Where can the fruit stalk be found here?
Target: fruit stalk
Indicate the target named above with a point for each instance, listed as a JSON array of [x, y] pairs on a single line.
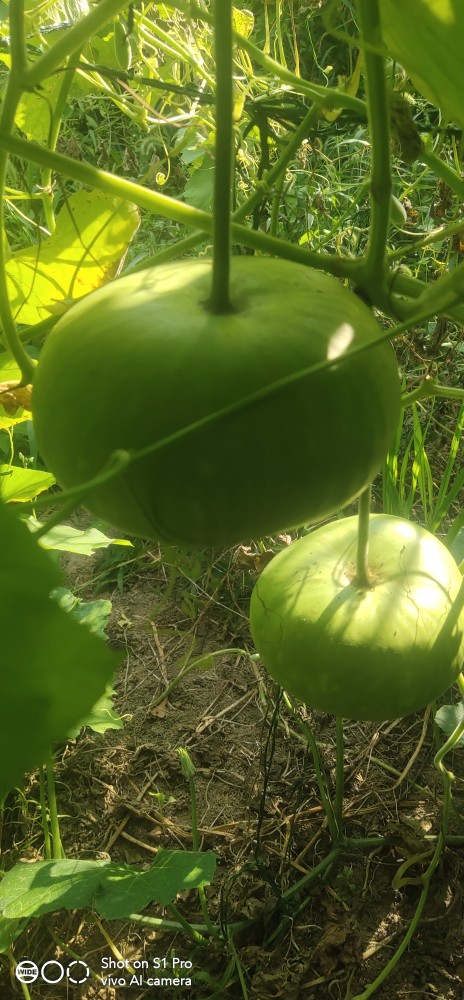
[[362, 568], [220, 301], [378, 118]]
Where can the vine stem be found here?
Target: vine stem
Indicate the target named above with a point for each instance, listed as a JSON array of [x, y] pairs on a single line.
[[43, 813], [73, 497], [339, 777], [71, 40], [362, 570], [120, 459], [388, 968], [440, 295], [263, 188], [57, 847], [220, 296], [447, 778], [170, 208], [430, 387], [321, 784], [26, 994], [378, 118], [57, 117], [160, 923], [324, 97], [188, 771], [11, 100]]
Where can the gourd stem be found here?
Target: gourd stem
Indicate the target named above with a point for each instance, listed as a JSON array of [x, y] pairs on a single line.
[[177, 211], [262, 190], [220, 300], [339, 778], [311, 876], [378, 118], [44, 813], [57, 847], [362, 574]]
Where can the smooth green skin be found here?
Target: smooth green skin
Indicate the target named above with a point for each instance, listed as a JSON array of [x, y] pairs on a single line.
[[373, 654], [143, 357]]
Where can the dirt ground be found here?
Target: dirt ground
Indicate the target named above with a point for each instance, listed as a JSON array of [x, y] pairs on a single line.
[[122, 796]]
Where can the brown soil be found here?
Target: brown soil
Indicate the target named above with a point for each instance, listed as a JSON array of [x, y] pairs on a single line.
[[259, 811]]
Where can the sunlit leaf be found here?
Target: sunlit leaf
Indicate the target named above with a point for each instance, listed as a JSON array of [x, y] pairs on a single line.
[[65, 538], [243, 21], [20, 485], [14, 403], [35, 109], [114, 890], [102, 716], [93, 231]]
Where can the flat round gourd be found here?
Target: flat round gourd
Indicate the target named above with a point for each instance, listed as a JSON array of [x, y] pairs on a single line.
[[377, 653], [143, 358]]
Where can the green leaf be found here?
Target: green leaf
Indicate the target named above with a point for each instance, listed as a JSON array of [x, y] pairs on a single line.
[[199, 189], [13, 406], [93, 614], [114, 890], [457, 547], [427, 38], [53, 670], [9, 931], [93, 231], [243, 21], [67, 539], [20, 485], [35, 109], [102, 716], [448, 717]]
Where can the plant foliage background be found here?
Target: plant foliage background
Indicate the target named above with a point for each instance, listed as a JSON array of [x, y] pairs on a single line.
[[107, 159]]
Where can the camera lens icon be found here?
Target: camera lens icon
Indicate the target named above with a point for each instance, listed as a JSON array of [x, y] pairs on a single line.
[[26, 971], [78, 972]]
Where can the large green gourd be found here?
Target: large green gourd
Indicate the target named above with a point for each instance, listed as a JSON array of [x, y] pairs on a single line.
[[144, 357]]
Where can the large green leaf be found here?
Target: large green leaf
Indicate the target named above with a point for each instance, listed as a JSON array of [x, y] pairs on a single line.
[[427, 38], [53, 670], [20, 485], [65, 538], [114, 890], [93, 231]]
